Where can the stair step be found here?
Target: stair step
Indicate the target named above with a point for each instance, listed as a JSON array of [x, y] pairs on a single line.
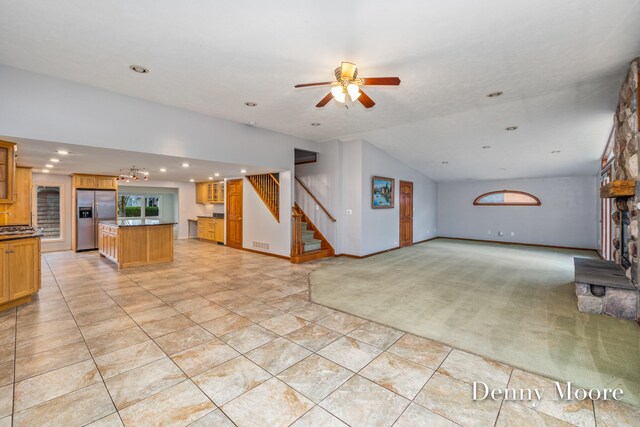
[[307, 235], [312, 245]]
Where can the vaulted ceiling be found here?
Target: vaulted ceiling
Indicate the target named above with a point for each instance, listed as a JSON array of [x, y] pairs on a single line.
[[559, 63]]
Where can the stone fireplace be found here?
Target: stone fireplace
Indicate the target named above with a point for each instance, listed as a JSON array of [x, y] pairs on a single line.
[[611, 287], [625, 189]]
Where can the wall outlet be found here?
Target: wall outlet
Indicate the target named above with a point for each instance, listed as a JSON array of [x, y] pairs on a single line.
[[395, 243], [513, 234], [489, 232], [317, 207], [349, 212]]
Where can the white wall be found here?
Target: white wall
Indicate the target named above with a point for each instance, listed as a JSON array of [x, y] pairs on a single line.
[[259, 225], [46, 108], [323, 178], [341, 180], [64, 182], [381, 227], [567, 217]]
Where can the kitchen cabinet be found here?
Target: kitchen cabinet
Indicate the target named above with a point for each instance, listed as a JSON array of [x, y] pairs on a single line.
[[19, 211], [211, 229], [7, 171], [20, 275], [209, 192], [95, 182]]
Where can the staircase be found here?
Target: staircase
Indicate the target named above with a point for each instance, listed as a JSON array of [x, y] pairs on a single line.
[[267, 186], [308, 243]]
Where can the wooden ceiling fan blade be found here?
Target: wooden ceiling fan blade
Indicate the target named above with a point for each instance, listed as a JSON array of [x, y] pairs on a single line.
[[324, 101], [365, 100], [381, 81], [313, 84]]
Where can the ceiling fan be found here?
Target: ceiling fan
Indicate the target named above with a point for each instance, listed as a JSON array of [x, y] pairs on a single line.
[[347, 86]]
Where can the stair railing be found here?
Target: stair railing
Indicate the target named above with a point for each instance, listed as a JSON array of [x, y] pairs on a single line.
[[297, 246], [315, 199], [268, 188]]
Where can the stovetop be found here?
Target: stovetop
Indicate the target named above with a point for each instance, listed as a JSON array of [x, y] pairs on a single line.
[[10, 230]]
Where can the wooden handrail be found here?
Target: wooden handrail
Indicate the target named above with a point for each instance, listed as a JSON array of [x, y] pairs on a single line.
[[268, 188], [316, 200]]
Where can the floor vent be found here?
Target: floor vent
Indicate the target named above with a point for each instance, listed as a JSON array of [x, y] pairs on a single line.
[[260, 245]]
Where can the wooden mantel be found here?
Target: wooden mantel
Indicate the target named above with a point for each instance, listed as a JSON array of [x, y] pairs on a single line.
[[618, 188]]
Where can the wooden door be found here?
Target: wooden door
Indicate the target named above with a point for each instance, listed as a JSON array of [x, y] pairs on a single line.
[[406, 213], [4, 272], [24, 274], [234, 213]]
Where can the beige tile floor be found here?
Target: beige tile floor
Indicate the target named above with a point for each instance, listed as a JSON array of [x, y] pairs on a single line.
[[223, 337]]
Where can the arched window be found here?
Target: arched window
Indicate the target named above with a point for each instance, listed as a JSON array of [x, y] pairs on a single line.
[[507, 198]]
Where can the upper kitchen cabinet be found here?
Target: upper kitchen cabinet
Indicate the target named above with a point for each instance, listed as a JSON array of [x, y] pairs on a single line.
[[95, 182], [209, 192], [7, 171], [18, 212]]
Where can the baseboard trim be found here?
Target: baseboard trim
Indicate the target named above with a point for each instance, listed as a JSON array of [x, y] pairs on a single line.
[[266, 253], [386, 250], [520, 244]]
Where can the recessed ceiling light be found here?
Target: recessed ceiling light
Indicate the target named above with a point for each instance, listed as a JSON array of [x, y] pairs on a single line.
[[48, 166], [510, 128], [210, 178], [139, 69], [163, 170], [191, 180], [55, 160], [494, 94], [251, 123], [555, 151], [185, 165], [315, 124], [45, 170], [216, 174], [250, 104], [445, 163], [62, 152], [243, 170], [484, 147], [145, 173]]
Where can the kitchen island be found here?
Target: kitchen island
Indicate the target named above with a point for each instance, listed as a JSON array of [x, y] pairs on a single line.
[[136, 242]]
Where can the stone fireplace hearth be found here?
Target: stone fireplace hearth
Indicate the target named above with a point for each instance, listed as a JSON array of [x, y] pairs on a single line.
[[603, 288]]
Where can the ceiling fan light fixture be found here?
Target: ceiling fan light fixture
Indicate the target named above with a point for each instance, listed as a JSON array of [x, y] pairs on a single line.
[[353, 90], [339, 94]]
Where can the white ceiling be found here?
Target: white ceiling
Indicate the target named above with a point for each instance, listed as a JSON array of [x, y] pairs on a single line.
[[104, 161], [559, 63]]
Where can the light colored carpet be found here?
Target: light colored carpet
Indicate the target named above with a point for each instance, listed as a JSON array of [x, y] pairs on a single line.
[[514, 304]]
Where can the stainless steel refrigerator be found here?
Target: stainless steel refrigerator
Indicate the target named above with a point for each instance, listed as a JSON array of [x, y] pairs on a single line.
[[93, 206]]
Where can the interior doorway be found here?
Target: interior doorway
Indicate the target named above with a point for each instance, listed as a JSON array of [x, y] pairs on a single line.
[[234, 213], [406, 213]]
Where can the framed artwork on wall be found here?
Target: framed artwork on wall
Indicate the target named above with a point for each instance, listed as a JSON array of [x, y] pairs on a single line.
[[382, 192]]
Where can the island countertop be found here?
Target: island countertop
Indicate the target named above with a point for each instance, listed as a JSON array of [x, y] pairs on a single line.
[[137, 222]]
